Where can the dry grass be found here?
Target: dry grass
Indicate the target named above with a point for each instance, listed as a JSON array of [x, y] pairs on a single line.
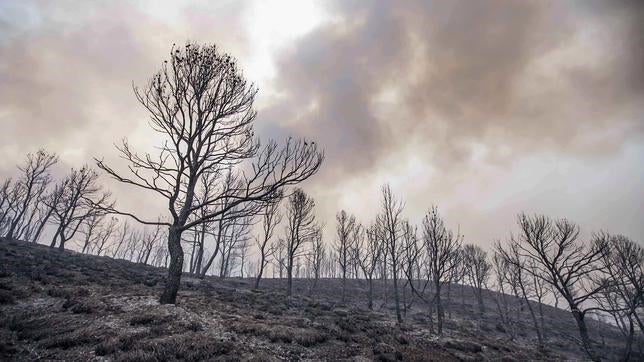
[[65, 306]]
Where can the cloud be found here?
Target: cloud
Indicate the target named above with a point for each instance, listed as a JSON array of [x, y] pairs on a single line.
[[468, 91]]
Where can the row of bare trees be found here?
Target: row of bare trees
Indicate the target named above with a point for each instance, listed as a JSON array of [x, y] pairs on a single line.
[[35, 200]]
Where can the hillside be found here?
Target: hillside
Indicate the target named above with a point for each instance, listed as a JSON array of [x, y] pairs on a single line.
[[61, 305]]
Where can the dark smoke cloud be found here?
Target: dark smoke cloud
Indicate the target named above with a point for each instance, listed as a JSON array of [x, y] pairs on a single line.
[[521, 75]]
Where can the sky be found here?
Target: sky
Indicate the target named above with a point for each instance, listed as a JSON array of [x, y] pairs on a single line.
[[483, 108]]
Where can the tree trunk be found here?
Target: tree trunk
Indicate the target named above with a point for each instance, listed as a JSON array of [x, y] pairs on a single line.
[[396, 296], [479, 295], [370, 293], [439, 309], [583, 333], [173, 280], [449, 299], [289, 283], [262, 261], [629, 340]]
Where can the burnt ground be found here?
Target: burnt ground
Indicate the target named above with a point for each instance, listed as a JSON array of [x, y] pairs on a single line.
[[61, 305]]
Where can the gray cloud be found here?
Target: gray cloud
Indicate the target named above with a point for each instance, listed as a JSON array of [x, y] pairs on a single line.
[[501, 73]]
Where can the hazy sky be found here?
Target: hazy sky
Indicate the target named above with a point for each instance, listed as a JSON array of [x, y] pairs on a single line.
[[484, 108]]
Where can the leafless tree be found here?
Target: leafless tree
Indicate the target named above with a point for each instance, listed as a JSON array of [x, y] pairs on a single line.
[[81, 197], [201, 103], [90, 227], [271, 217], [344, 243], [26, 199], [149, 239], [7, 200], [106, 230], [623, 262], [237, 233], [390, 220], [123, 234], [243, 249], [316, 257], [442, 247], [280, 256], [519, 279], [477, 271], [370, 257], [562, 260], [301, 227], [502, 270]]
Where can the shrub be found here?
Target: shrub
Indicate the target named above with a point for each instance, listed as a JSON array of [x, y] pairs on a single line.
[[6, 297], [107, 347], [149, 319]]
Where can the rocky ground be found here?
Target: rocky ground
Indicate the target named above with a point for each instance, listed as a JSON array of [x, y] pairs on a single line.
[[66, 306]]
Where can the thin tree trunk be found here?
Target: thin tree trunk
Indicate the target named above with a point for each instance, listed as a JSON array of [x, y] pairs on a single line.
[[289, 283], [396, 296], [370, 293], [583, 332], [629, 339], [439, 308]]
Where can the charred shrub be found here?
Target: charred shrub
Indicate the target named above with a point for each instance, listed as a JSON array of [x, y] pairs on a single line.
[[6, 297], [149, 319]]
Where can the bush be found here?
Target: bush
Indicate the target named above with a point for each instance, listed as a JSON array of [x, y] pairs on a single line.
[[70, 339], [149, 319], [6, 297], [107, 347], [56, 292]]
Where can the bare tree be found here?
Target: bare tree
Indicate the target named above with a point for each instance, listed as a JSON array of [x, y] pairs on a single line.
[[238, 232], [28, 194], [519, 280], [271, 217], [501, 268], [201, 103], [316, 257], [344, 243], [124, 233], [242, 252], [370, 257], [280, 255], [563, 261], [390, 221], [104, 235], [442, 247], [89, 229], [477, 271], [81, 197], [301, 227], [623, 262]]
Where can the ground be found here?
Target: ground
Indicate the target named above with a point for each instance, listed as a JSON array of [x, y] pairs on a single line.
[[61, 305]]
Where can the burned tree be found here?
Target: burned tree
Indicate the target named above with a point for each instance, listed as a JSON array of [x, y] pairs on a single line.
[[370, 257], [344, 244], [518, 277], [301, 227], [442, 247], [316, 257], [271, 217], [80, 197], [477, 271], [563, 261], [390, 221], [623, 297], [25, 200], [203, 107]]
